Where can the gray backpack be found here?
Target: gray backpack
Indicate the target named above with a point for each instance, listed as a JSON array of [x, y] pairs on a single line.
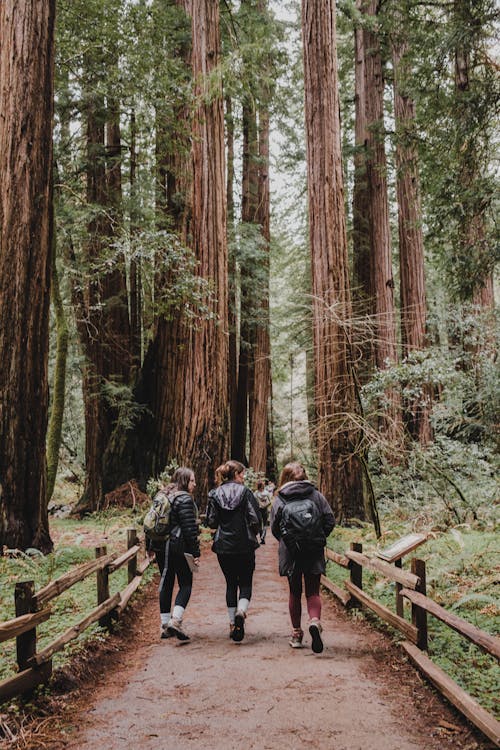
[[157, 519]]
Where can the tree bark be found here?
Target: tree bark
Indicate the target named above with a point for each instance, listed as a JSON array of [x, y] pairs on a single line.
[[260, 426], [378, 213], [26, 229], [205, 419], [339, 468], [363, 293], [411, 243]]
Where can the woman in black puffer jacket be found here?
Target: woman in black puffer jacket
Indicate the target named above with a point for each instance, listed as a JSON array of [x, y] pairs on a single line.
[[234, 513], [170, 556]]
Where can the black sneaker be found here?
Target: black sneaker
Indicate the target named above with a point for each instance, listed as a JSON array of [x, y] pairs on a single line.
[[239, 627]]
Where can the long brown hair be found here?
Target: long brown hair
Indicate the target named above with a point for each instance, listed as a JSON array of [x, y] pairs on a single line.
[[292, 472], [227, 472], [180, 480]]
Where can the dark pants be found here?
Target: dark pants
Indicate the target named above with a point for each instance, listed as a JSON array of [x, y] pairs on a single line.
[[238, 572], [177, 566], [313, 600]]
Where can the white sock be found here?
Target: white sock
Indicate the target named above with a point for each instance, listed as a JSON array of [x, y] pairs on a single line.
[[178, 612], [165, 618], [231, 612], [243, 605]]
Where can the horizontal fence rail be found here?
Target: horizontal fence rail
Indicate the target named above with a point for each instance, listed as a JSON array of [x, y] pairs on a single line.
[[35, 667], [412, 586]]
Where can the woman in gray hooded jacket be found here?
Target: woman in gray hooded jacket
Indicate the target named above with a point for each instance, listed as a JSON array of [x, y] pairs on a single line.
[[302, 520], [233, 511]]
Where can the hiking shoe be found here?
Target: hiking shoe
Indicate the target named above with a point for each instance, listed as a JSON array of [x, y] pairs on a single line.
[[315, 633], [174, 627], [239, 627], [164, 632], [231, 630], [296, 638]]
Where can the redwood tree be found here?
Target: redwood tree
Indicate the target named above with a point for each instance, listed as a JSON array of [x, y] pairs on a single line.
[[411, 243], [26, 227], [378, 214], [339, 466]]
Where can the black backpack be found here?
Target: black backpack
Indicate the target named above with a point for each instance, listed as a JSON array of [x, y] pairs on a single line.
[[301, 527]]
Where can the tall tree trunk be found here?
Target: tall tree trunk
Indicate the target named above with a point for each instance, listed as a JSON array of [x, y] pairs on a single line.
[[232, 272], [26, 227], [103, 321], [135, 263], [54, 432], [249, 211], [363, 293], [260, 424], [205, 417], [378, 212], [411, 243], [339, 470], [472, 244]]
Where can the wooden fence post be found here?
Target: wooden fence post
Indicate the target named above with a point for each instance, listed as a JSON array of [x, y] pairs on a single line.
[[132, 564], [399, 599], [418, 614], [26, 642], [103, 587], [356, 571]]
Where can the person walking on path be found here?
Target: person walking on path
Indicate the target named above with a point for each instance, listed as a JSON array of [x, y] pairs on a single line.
[[301, 520], [263, 497], [170, 554], [234, 513]]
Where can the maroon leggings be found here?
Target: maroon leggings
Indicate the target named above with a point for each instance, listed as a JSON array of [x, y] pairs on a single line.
[[311, 583]]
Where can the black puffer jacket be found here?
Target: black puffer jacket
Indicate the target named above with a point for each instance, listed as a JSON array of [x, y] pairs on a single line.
[[233, 511], [297, 491], [183, 524]]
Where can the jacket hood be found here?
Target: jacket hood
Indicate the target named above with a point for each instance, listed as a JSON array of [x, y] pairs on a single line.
[[230, 495], [292, 490]]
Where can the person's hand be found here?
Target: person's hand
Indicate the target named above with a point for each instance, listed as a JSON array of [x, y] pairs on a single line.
[[197, 561], [151, 554]]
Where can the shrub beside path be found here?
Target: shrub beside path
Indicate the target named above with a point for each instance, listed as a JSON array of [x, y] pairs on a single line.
[[212, 693]]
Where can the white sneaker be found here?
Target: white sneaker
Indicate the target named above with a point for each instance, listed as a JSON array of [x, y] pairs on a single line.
[[296, 638], [315, 630]]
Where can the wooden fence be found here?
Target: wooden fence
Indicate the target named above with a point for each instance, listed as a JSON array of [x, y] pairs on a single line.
[[35, 667], [412, 586]]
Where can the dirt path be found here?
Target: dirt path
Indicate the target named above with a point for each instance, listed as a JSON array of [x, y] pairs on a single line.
[[213, 693]]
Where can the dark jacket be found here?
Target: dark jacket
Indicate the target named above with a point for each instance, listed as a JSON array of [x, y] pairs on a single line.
[[296, 491], [234, 512], [183, 524]]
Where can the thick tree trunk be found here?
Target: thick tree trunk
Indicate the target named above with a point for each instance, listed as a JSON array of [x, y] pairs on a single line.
[[26, 227], [204, 424], [339, 470], [378, 212], [362, 291], [411, 243]]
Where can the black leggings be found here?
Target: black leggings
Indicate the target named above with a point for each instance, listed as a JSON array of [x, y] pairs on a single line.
[[177, 566], [238, 572]]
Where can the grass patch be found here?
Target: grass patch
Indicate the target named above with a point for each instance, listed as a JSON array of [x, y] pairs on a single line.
[[74, 543], [462, 566]]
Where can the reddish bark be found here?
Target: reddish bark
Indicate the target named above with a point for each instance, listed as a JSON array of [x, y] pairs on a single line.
[[339, 468], [26, 229]]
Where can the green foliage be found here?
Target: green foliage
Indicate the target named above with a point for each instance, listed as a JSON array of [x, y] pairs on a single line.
[[75, 542], [460, 565]]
